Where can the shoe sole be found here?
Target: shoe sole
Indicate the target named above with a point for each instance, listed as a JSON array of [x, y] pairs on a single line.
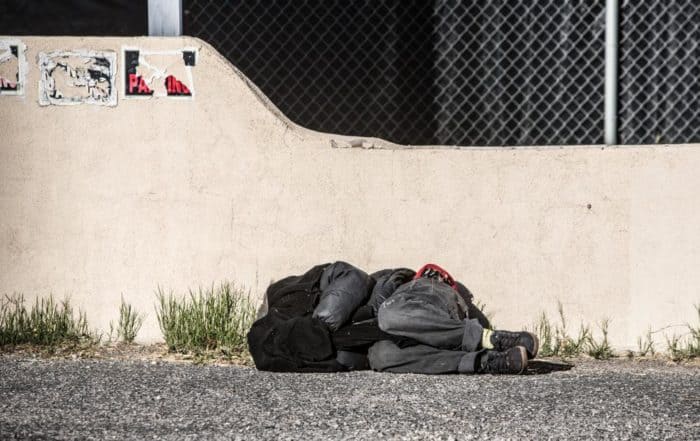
[[523, 357], [537, 346]]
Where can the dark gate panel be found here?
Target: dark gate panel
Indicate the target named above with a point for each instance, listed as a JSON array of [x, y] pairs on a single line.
[[659, 72], [445, 72], [353, 67]]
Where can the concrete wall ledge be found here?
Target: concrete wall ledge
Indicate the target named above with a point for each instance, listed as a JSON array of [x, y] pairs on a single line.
[[100, 201]]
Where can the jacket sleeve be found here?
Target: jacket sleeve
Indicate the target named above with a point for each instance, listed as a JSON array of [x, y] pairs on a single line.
[[343, 289], [387, 282]]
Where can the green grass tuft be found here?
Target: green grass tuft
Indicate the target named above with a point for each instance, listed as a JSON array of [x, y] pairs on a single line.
[[46, 323], [217, 318], [645, 346], [600, 350], [130, 322], [544, 331], [555, 339], [686, 346]]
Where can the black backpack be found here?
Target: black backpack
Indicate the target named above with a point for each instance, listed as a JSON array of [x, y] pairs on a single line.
[[288, 338]]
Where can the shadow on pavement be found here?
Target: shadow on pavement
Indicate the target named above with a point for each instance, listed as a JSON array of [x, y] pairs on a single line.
[[540, 367]]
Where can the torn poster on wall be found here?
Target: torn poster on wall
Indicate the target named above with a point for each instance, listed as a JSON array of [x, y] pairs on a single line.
[[77, 77], [158, 73], [13, 67]]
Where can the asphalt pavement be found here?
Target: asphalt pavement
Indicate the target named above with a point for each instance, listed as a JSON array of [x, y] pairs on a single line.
[[118, 399]]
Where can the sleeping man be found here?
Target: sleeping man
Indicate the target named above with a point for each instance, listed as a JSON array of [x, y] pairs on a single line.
[[336, 317]]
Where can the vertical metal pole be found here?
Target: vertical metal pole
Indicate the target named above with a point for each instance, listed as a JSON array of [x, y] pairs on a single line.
[[165, 18], [611, 69]]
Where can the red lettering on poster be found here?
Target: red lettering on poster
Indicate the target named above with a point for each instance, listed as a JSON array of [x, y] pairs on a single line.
[[137, 85], [133, 82], [7, 85], [175, 87], [143, 88]]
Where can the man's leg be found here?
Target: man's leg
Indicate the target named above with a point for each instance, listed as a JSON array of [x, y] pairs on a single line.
[[386, 356], [427, 316], [429, 312]]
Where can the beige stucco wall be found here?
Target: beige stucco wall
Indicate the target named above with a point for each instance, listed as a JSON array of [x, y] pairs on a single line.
[[97, 201]]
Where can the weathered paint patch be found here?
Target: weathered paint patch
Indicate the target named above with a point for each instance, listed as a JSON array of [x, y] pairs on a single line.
[[13, 67], [77, 77], [150, 74]]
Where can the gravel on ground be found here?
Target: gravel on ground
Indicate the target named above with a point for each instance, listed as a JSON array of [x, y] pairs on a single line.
[[141, 399]]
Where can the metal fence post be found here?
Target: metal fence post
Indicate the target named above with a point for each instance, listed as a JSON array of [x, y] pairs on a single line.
[[165, 18], [612, 23]]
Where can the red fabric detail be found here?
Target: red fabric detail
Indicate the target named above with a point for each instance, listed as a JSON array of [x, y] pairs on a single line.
[[446, 277]]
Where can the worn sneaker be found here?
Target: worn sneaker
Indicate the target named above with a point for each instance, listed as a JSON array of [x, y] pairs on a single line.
[[503, 340], [513, 361]]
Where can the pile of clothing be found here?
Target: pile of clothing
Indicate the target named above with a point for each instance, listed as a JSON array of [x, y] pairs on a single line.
[[336, 317]]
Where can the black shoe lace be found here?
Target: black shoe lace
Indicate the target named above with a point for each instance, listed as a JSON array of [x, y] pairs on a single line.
[[496, 362], [505, 340]]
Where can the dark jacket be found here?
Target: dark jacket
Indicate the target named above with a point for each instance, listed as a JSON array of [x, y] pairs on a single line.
[[287, 338], [344, 288], [308, 322]]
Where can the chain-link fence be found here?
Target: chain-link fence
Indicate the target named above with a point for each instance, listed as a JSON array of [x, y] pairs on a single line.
[[659, 71], [481, 72], [519, 72]]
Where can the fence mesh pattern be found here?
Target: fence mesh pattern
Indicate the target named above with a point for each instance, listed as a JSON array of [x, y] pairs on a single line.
[[659, 72], [480, 72], [519, 73], [344, 66]]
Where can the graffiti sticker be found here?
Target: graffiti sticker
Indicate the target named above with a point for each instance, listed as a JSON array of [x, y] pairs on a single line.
[[150, 74], [77, 77], [13, 67]]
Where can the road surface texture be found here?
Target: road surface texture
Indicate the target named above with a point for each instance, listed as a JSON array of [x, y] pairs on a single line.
[[127, 399]]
